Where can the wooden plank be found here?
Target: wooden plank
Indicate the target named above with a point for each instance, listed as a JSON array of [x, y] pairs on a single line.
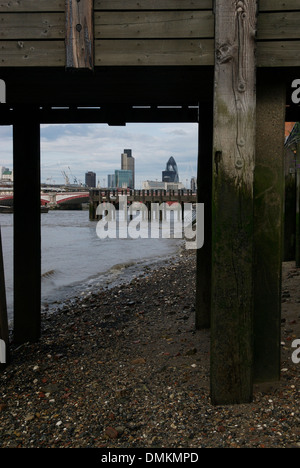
[[232, 227], [279, 5], [273, 26], [12, 6], [79, 35], [268, 222], [152, 52], [278, 54], [128, 25], [28, 26], [59, 5], [4, 332], [102, 5], [167, 52], [163, 24], [153, 5], [32, 54], [27, 226]]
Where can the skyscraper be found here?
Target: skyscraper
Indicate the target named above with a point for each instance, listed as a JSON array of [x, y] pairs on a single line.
[[90, 179], [194, 184], [171, 172], [123, 179], [128, 164], [111, 181]]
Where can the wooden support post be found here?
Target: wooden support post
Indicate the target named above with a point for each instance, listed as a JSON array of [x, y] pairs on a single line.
[[268, 228], [80, 34], [204, 192], [298, 206], [27, 226], [234, 159], [290, 210], [4, 335]]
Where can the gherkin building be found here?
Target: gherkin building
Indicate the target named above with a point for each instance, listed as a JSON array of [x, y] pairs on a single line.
[[171, 172]]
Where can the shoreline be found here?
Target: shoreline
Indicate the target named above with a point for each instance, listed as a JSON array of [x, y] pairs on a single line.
[[118, 275], [126, 368]]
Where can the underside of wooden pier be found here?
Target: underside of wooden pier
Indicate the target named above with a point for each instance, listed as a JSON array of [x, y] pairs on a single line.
[[227, 66]]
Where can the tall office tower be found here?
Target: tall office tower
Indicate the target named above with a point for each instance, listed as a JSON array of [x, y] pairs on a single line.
[[171, 172], [90, 179], [111, 181], [128, 164], [194, 184], [123, 179]]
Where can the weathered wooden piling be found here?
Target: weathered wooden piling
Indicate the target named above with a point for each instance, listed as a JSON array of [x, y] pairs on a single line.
[[233, 177], [79, 34], [204, 191], [290, 212], [298, 206], [268, 226], [27, 226], [4, 332]]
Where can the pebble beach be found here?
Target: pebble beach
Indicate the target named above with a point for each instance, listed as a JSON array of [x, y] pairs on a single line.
[[126, 368]]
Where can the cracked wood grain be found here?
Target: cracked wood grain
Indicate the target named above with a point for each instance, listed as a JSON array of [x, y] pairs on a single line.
[[235, 87], [234, 162], [79, 34]]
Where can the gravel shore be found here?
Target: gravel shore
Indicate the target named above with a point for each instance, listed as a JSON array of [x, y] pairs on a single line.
[[125, 368]]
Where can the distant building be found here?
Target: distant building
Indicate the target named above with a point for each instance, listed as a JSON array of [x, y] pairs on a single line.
[[171, 172], [128, 164], [123, 179], [155, 185], [111, 182], [90, 179], [7, 175], [2, 170], [194, 184]]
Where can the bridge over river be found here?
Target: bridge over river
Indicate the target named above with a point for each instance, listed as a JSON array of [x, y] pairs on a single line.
[[74, 199], [51, 199]]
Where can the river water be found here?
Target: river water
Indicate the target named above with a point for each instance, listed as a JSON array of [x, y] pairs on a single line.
[[75, 260]]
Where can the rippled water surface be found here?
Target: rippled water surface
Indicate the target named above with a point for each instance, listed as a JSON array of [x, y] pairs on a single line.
[[74, 259]]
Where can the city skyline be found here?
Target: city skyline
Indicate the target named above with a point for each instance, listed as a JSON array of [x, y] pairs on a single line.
[[97, 148]]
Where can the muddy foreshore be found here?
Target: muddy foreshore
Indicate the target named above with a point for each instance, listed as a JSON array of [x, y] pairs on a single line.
[[125, 368]]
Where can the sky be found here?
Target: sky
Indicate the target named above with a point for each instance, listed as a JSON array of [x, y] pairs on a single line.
[[77, 149]]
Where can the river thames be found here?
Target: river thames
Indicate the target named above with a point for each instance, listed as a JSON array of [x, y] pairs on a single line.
[[75, 260]]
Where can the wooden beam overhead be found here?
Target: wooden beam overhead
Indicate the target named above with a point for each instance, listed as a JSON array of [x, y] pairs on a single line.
[[112, 115], [80, 34]]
